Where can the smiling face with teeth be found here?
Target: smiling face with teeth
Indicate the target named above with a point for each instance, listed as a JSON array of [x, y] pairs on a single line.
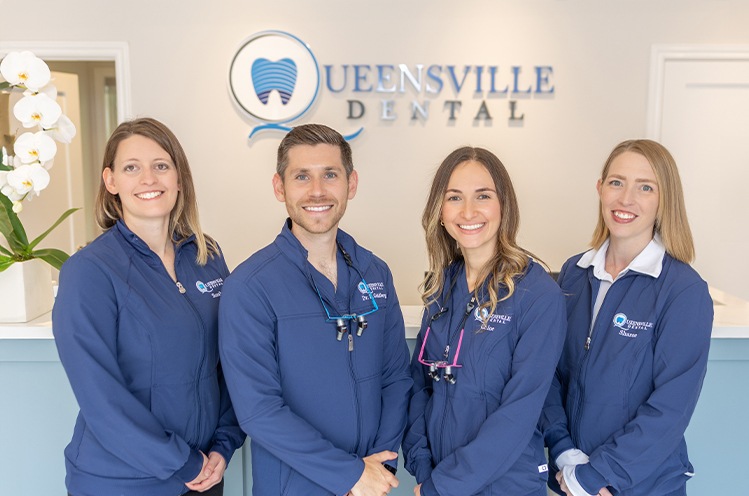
[[471, 211], [146, 180], [315, 189], [629, 200]]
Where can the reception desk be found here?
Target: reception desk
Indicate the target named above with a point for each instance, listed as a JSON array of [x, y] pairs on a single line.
[[37, 410]]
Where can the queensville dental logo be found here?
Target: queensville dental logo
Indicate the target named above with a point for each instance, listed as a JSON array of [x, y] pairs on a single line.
[[630, 328], [482, 315], [210, 287], [275, 78]]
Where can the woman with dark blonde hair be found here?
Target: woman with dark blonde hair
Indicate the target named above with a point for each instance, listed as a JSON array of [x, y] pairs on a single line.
[[491, 335], [135, 323], [639, 324]]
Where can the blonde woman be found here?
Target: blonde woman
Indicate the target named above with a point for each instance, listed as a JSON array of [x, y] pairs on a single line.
[[639, 320]]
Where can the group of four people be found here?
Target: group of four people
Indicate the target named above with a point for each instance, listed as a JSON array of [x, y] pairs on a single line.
[[605, 371]]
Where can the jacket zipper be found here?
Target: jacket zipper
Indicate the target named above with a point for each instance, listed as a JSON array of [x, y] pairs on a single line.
[[199, 373], [582, 371], [451, 337], [357, 405]]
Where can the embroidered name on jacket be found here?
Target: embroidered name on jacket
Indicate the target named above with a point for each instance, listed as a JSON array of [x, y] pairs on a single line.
[[210, 286], [629, 328], [482, 315], [377, 289]]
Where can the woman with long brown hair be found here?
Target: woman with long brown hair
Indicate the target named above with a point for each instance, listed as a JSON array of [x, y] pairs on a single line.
[[492, 332]]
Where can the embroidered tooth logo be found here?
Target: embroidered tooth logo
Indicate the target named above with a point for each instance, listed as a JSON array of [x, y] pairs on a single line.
[[268, 76], [619, 320], [481, 314]]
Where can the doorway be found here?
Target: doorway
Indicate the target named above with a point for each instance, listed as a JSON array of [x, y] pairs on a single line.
[[93, 89]]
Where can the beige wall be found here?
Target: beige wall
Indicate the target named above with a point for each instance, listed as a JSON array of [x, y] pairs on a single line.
[[180, 53]]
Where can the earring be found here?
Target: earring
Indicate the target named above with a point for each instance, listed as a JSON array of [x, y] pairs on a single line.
[[442, 224]]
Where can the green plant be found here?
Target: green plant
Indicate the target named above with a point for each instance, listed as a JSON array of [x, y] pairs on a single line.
[[24, 171]]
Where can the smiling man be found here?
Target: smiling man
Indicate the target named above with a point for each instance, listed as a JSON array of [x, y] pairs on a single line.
[[312, 338]]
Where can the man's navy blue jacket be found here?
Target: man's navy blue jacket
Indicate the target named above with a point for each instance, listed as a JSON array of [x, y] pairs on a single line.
[[312, 405]]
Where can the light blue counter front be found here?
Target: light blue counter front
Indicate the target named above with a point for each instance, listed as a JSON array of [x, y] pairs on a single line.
[[37, 413]]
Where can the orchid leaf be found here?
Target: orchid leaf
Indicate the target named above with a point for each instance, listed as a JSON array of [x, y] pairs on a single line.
[[11, 227], [4, 85], [5, 251], [5, 262], [52, 256], [39, 238]]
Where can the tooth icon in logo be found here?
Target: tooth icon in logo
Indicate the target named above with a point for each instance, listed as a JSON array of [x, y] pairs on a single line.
[[268, 76]]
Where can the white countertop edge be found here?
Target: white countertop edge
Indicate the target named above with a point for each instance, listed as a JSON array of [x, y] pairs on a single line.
[[731, 321]]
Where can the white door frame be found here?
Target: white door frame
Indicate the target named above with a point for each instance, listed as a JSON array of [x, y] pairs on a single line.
[[116, 51], [661, 54]]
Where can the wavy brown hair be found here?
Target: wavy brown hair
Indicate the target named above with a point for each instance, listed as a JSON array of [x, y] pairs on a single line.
[[184, 220], [671, 219], [509, 260]]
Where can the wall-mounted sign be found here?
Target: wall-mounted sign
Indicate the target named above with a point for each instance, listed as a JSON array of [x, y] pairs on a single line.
[[275, 78]]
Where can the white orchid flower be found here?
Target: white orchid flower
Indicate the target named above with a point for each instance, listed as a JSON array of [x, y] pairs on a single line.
[[12, 161], [63, 130], [35, 147], [25, 69], [7, 189], [17, 207], [50, 90], [37, 110], [28, 178]]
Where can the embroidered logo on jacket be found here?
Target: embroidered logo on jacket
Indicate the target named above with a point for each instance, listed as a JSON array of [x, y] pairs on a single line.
[[210, 286], [629, 328], [482, 315], [376, 288]]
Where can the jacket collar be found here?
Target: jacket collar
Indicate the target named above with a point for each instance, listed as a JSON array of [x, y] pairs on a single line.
[[141, 247], [292, 248], [648, 262]]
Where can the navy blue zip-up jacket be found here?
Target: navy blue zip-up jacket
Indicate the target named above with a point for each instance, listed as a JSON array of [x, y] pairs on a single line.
[[479, 436], [312, 405], [142, 360], [627, 401]]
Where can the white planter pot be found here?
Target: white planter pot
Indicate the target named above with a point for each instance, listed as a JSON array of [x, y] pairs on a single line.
[[25, 291]]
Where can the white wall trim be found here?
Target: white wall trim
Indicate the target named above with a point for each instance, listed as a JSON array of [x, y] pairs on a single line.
[[116, 51], [661, 54]]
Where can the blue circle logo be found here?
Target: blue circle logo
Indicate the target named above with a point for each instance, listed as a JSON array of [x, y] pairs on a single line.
[[481, 314], [620, 319], [274, 77]]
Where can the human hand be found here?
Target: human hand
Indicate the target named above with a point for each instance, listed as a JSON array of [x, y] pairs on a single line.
[[563, 485], [213, 469], [417, 490], [376, 480], [202, 474]]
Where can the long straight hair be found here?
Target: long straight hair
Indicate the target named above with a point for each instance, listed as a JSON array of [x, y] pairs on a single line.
[[509, 260], [183, 220]]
